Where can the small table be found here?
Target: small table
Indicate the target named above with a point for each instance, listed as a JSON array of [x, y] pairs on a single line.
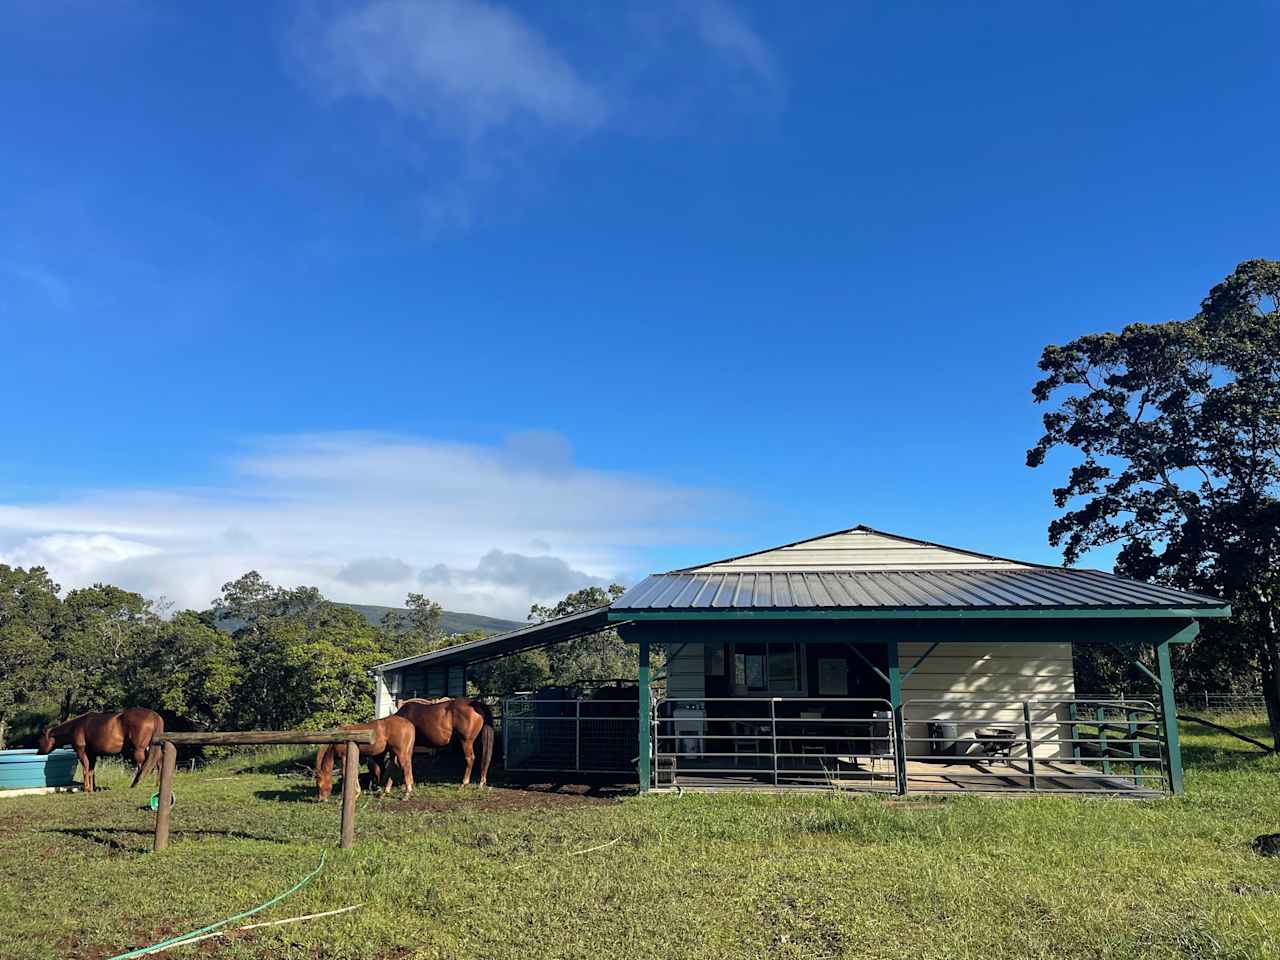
[[995, 741]]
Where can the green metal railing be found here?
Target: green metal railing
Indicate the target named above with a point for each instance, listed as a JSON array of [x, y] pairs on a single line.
[[774, 742], [1035, 744]]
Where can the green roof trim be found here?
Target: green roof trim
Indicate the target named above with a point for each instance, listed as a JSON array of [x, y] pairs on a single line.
[[958, 613]]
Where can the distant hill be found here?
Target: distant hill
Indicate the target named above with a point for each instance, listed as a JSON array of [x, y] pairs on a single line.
[[451, 622]]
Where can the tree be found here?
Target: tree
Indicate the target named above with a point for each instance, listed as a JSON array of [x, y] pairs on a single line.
[[525, 670], [29, 614], [417, 629], [1178, 427], [189, 668], [101, 632], [301, 660], [599, 656]]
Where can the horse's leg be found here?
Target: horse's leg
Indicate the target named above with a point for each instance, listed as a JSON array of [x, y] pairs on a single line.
[[404, 757], [469, 754], [388, 771], [374, 763], [87, 766], [486, 753], [139, 763], [93, 773]]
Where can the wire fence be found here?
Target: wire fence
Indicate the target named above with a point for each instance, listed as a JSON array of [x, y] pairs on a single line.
[[1223, 702]]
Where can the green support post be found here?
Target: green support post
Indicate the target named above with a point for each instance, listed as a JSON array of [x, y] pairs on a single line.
[[642, 765], [895, 702], [1104, 748], [1169, 716]]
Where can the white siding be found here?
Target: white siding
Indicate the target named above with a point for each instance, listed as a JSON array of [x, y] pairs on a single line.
[[383, 704], [860, 550], [1040, 673], [686, 678], [686, 669]]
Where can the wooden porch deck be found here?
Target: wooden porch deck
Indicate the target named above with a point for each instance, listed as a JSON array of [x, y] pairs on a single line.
[[930, 778]]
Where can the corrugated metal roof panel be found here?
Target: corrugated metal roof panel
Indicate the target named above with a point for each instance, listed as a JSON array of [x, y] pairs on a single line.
[[1030, 587]]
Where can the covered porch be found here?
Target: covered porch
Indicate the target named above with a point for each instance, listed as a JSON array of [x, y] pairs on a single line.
[[905, 706]]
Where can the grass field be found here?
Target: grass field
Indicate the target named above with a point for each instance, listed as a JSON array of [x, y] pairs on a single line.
[[499, 874]]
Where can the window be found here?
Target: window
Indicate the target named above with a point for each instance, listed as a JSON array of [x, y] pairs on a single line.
[[772, 667], [833, 677], [749, 667], [783, 674]]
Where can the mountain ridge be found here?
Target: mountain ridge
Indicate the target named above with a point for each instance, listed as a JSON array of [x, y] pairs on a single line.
[[450, 621]]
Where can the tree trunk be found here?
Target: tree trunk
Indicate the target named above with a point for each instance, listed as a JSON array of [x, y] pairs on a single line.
[[4, 729], [1270, 663]]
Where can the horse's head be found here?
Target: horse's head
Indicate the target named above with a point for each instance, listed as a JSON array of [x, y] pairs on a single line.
[[45, 744], [324, 773]]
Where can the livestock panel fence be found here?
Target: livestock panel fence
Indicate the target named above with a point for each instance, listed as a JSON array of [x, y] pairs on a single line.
[[569, 735]]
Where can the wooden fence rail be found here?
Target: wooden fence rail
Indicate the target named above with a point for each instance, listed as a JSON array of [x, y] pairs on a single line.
[[252, 738]]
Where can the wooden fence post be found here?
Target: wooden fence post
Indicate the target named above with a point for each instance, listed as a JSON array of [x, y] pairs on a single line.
[[168, 763], [350, 788], [245, 738]]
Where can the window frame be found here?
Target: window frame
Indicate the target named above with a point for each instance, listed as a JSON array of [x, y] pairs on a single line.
[[765, 650]]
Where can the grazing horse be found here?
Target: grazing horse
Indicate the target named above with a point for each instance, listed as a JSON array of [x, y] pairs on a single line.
[[95, 735], [391, 735], [466, 720]]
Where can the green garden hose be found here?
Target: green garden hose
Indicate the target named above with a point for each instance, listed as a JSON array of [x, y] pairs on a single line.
[[177, 941]]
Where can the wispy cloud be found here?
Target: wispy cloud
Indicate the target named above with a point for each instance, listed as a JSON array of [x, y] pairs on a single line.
[[725, 30], [53, 287], [489, 529], [487, 81], [467, 65]]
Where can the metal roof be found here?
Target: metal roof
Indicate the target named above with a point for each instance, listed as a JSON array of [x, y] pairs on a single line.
[[513, 641], [1033, 588]]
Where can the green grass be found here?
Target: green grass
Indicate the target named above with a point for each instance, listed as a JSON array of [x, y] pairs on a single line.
[[719, 876]]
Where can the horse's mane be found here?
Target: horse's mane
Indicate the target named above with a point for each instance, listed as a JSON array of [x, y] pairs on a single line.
[[66, 725]]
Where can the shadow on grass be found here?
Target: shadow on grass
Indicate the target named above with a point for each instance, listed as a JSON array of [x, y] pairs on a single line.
[[111, 837], [1206, 749], [1219, 760], [503, 791]]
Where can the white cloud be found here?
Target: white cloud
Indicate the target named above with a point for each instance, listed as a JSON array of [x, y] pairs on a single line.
[[727, 32], [368, 571], [367, 518], [495, 97], [467, 65]]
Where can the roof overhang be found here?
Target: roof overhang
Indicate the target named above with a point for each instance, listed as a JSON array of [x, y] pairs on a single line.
[[513, 641], [956, 613]]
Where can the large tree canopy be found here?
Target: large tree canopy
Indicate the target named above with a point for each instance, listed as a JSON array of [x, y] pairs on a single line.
[[1178, 429], [262, 656]]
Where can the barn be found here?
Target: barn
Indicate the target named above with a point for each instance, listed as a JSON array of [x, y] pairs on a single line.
[[861, 660]]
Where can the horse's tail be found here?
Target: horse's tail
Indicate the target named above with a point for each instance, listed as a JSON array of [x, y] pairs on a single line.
[[154, 752], [154, 755], [486, 738]]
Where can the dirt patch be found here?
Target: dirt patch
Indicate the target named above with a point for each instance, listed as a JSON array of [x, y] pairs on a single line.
[[531, 796]]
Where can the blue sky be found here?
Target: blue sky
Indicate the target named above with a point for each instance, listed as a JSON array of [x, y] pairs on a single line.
[[490, 300]]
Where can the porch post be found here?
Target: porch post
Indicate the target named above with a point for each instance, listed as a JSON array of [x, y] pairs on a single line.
[[642, 765], [1169, 709], [895, 702]]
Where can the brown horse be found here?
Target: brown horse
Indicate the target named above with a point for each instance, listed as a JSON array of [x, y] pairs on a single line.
[[439, 724], [391, 735], [95, 735]]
